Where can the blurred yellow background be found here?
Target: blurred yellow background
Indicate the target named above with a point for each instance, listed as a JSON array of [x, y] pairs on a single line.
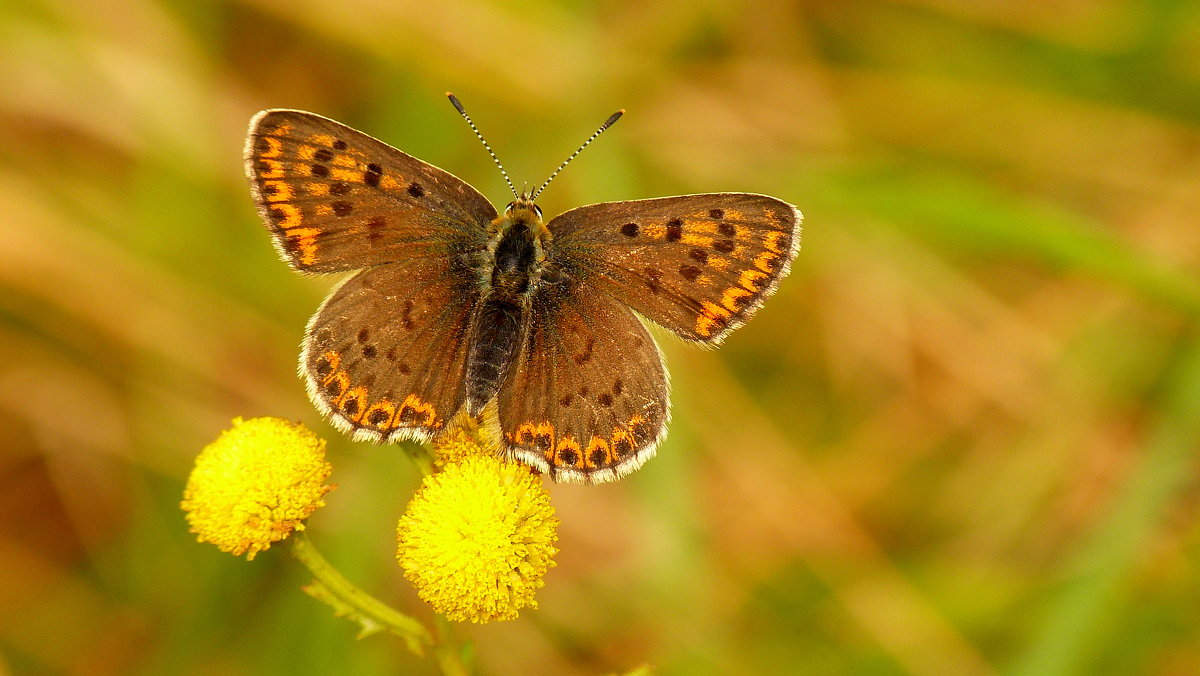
[[961, 439]]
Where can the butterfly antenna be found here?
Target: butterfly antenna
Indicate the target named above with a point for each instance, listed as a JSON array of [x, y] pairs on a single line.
[[612, 119], [463, 111]]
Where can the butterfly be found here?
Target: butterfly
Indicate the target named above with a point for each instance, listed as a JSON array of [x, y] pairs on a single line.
[[528, 327]]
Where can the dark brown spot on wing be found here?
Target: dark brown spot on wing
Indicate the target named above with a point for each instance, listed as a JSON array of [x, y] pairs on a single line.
[[674, 230], [716, 213], [372, 175], [375, 228], [323, 367], [598, 457], [699, 255], [416, 190], [585, 356], [727, 229], [724, 245], [342, 208], [653, 282], [689, 272], [406, 315], [629, 229], [319, 170]]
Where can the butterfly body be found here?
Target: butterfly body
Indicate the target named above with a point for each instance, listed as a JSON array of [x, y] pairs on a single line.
[[530, 327], [510, 277]]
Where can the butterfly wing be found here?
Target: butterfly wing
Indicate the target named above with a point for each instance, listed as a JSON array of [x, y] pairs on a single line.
[[587, 400], [699, 265], [336, 199], [385, 356]]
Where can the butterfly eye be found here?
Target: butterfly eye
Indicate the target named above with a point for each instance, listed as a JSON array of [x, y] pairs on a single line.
[[537, 210], [509, 209]]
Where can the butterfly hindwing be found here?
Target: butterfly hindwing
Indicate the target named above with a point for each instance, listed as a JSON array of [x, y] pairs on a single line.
[[587, 399], [336, 199], [699, 265], [385, 356]]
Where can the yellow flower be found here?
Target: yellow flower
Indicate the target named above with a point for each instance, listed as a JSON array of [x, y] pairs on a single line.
[[455, 447], [478, 537], [256, 484]]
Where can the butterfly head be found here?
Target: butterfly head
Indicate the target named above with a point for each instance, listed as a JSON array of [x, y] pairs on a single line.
[[523, 210]]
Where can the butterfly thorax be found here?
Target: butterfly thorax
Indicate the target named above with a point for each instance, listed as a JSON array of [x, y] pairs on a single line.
[[515, 258]]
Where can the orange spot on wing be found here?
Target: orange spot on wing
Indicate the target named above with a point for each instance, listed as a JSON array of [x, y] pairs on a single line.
[[291, 215], [718, 263], [387, 182], [317, 189], [305, 239], [347, 175], [334, 360], [274, 147], [696, 240], [281, 191], [732, 296], [281, 129], [711, 316], [306, 152], [566, 443], [772, 218], [414, 407], [594, 444], [749, 279], [771, 241], [343, 383], [766, 261], [274, 168], [345, 161], [321, 139], [372, 415], [358, 394]]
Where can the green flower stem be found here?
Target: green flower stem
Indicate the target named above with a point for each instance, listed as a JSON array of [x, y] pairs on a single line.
[[347, 600], [421, 455], [452, 658]]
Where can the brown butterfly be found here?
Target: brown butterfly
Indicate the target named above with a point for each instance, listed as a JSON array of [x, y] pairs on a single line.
[[527, 326]]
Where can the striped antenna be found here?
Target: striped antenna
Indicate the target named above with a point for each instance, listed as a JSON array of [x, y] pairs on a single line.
[[607, 123], [463, 111]]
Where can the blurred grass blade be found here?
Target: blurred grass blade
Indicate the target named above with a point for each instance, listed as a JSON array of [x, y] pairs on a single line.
[[972, 217], [1082, 618]]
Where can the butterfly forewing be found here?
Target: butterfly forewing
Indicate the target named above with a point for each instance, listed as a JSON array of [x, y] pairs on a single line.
[[699, 265], [587, 400], [337, 199], [385, 355]]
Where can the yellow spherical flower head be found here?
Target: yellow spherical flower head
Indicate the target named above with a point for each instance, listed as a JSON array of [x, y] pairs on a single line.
[[456, 446], [478, 537], [256, 484]]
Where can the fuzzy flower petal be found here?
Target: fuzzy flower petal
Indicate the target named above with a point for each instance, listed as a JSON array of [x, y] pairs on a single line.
[[256, 484], [478, 537]]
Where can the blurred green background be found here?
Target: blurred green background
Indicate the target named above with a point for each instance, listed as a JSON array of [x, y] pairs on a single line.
[[961, 439]]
